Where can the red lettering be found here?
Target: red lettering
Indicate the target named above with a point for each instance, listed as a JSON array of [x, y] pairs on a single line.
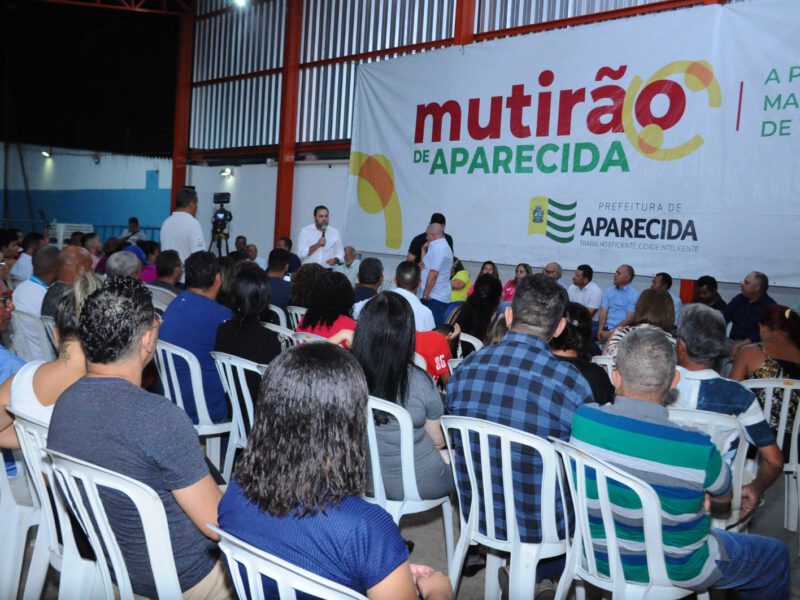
[[677, 104], [516, 102], [492, 129], [567, 100], [436, 112]]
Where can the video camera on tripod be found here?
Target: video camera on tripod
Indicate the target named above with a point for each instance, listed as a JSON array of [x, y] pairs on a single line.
[[219, 222]]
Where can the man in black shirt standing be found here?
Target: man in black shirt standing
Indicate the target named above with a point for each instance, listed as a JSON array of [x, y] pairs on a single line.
[[415, 248]]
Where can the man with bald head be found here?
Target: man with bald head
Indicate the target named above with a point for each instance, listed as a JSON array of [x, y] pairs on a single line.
[[73, 261], [618, 303], [436, 265], [553, 271], [745, 310]]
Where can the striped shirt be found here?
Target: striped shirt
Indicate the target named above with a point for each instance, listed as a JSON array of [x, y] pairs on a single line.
[[680, 464]]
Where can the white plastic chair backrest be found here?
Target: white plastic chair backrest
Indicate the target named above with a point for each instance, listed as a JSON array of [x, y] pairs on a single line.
[[469, 339], [24, 323], [723, 431], [480, 437], [288, 577], [50, 329], [410, 491], [166, 354], [784, 389], [728, 329], [279, 313], [420, 361], [232, 372], [607, 362], [295, 314], [576, 462], [454, 363], [80, 482], [161, 297], [285, 335], [304, 338]]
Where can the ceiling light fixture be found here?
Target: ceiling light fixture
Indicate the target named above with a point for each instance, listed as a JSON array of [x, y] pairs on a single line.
[[226, 172], [47, 153]]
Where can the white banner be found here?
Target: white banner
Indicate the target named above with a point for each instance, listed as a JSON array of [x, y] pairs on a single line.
[[668, 141]]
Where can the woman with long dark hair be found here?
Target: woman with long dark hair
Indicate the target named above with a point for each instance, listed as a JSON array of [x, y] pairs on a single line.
[[330, 306], [384, 346], [521, 270], [477, 314], [296, 490]]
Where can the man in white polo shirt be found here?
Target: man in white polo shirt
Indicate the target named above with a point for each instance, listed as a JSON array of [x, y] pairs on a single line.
[[436, 266]]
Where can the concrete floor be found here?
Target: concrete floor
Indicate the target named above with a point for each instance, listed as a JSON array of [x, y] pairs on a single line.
[[426, 530]]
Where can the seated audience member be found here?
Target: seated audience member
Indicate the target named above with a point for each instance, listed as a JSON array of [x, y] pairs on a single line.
[[407, 280], [29, 295], [73, 261], [23, 268], [75, 238], [285, 243], [240, 248], [151, 250], [34, 389], [349, 268], [304, 280], [460, 282], [191, 322], [124, 264], [148, 272], [663, 282], [745, 310], [573, 347], [476, 315], [776, 356], [653, 310], [169, 270], [330, 306], [436, 347], [252, 255], [635, 434], [91, 242], [9, 248], [522, 270], [617, 304], [384, 346], [9, 364], [701, 340], [297, 490], [133, 234], [228, 267], [585, 291], [553, 271], [243, 335], [706, 293], [277, 267], [370, 279], [487, 268], [111, 246], [520, 383], [499, 331], [107, 419]]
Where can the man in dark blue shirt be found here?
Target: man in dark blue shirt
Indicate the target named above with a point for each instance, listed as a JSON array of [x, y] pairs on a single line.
[[745, 310], [277, 267]]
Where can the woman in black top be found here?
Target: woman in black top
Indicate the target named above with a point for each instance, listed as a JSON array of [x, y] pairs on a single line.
[[242, 335], [572, 347]]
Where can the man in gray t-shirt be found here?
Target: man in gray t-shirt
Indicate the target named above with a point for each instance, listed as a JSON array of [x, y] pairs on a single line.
[[106, 419]]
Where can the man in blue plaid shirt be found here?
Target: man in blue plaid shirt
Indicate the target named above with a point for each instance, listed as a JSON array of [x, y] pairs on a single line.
[[521, 384]]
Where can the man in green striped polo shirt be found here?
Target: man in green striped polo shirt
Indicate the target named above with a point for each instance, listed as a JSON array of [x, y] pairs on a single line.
[[685, 469]]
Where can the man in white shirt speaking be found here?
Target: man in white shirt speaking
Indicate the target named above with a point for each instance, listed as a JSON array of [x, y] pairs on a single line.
[[320, 243], [181, 231]]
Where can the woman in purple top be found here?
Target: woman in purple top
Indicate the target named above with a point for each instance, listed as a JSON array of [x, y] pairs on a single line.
[[296, 491]]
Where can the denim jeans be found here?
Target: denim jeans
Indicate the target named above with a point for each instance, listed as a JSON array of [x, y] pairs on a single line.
[[437, 308], [756, 566]]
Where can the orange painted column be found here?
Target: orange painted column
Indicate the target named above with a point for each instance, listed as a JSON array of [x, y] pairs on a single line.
[[183, 100], [465, 22], [289, 91]]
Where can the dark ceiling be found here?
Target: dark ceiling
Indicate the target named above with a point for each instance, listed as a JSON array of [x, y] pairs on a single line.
[[88, 78]]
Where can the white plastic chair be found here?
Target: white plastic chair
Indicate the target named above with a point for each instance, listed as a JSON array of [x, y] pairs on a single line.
[[279, 313], [607, 362], [469, 339], [166, 354], [80, 578], [305, 338], [481, 436], [723, 430], [285, 335], [411, 503], [420, 361], [161, 297], [232, 371], [16, 520], [30, 337], [785, 389], [288, 577], [295, 314], [80, 482], [581, 558], [50, 329], [454, 363]]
